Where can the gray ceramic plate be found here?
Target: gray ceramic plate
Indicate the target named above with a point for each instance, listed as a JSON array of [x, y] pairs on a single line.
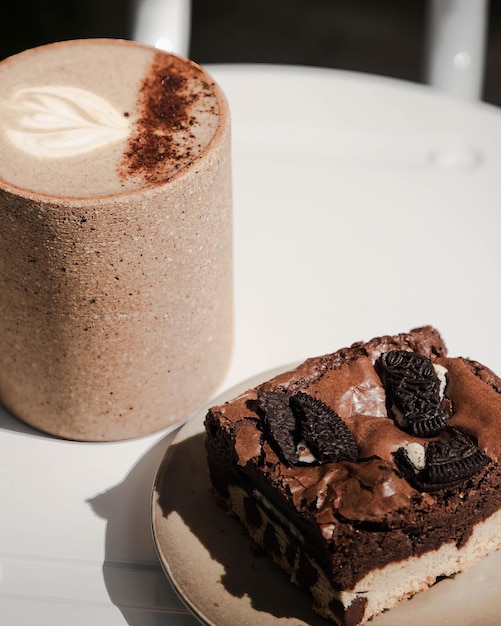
[[225, 580]]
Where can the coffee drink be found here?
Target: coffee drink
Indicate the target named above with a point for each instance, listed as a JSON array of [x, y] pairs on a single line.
[[115, 238]]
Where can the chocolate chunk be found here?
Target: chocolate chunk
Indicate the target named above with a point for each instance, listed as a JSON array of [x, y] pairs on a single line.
[[327, 436], [280, 422], [447, 463], [252, 513], [291, 550], [270, 540], [413, 392], [305, 430], [306, 573]]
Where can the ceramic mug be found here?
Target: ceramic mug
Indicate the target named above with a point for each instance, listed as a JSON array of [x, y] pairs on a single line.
[[115, 238]]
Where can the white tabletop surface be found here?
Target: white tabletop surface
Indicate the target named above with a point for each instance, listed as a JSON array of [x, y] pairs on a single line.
[[362, 206]]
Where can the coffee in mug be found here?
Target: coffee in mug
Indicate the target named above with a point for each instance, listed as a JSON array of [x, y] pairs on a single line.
[[115, 238]]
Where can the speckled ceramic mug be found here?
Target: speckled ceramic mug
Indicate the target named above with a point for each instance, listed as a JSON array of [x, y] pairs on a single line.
[[115, 238]]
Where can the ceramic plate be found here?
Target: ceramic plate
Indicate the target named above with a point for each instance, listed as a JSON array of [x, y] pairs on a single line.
[[224, 579]]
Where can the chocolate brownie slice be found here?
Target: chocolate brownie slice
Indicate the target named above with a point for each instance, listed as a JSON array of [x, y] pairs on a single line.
[[366, 474]]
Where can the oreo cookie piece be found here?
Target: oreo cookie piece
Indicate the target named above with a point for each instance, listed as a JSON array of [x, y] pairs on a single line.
[[327, 436], [304, 430], [413, 392], [440, 464], [280, 423]]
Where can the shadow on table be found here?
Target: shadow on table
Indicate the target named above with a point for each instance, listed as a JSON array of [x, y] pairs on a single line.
[[134, 579]]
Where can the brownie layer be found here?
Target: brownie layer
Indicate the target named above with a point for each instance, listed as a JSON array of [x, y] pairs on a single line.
[[357, 517]]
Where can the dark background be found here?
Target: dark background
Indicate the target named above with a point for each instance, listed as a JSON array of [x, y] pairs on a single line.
[[376, 36]]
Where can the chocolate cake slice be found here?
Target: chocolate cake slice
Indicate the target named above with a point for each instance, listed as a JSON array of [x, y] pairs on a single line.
[[366, 474]]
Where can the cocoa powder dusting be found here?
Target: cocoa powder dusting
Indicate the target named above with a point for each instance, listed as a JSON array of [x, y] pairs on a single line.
[[162, 133]]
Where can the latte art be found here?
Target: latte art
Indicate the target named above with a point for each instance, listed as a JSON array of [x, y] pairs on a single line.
[[61, 121], [101, 119]]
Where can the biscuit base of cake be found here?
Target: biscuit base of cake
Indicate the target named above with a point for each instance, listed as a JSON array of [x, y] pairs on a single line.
[[362, 501]]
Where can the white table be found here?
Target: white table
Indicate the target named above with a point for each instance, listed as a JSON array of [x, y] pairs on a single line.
[[362, 206]]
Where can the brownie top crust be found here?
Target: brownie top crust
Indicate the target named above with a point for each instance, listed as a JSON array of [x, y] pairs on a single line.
[[375, 491]]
